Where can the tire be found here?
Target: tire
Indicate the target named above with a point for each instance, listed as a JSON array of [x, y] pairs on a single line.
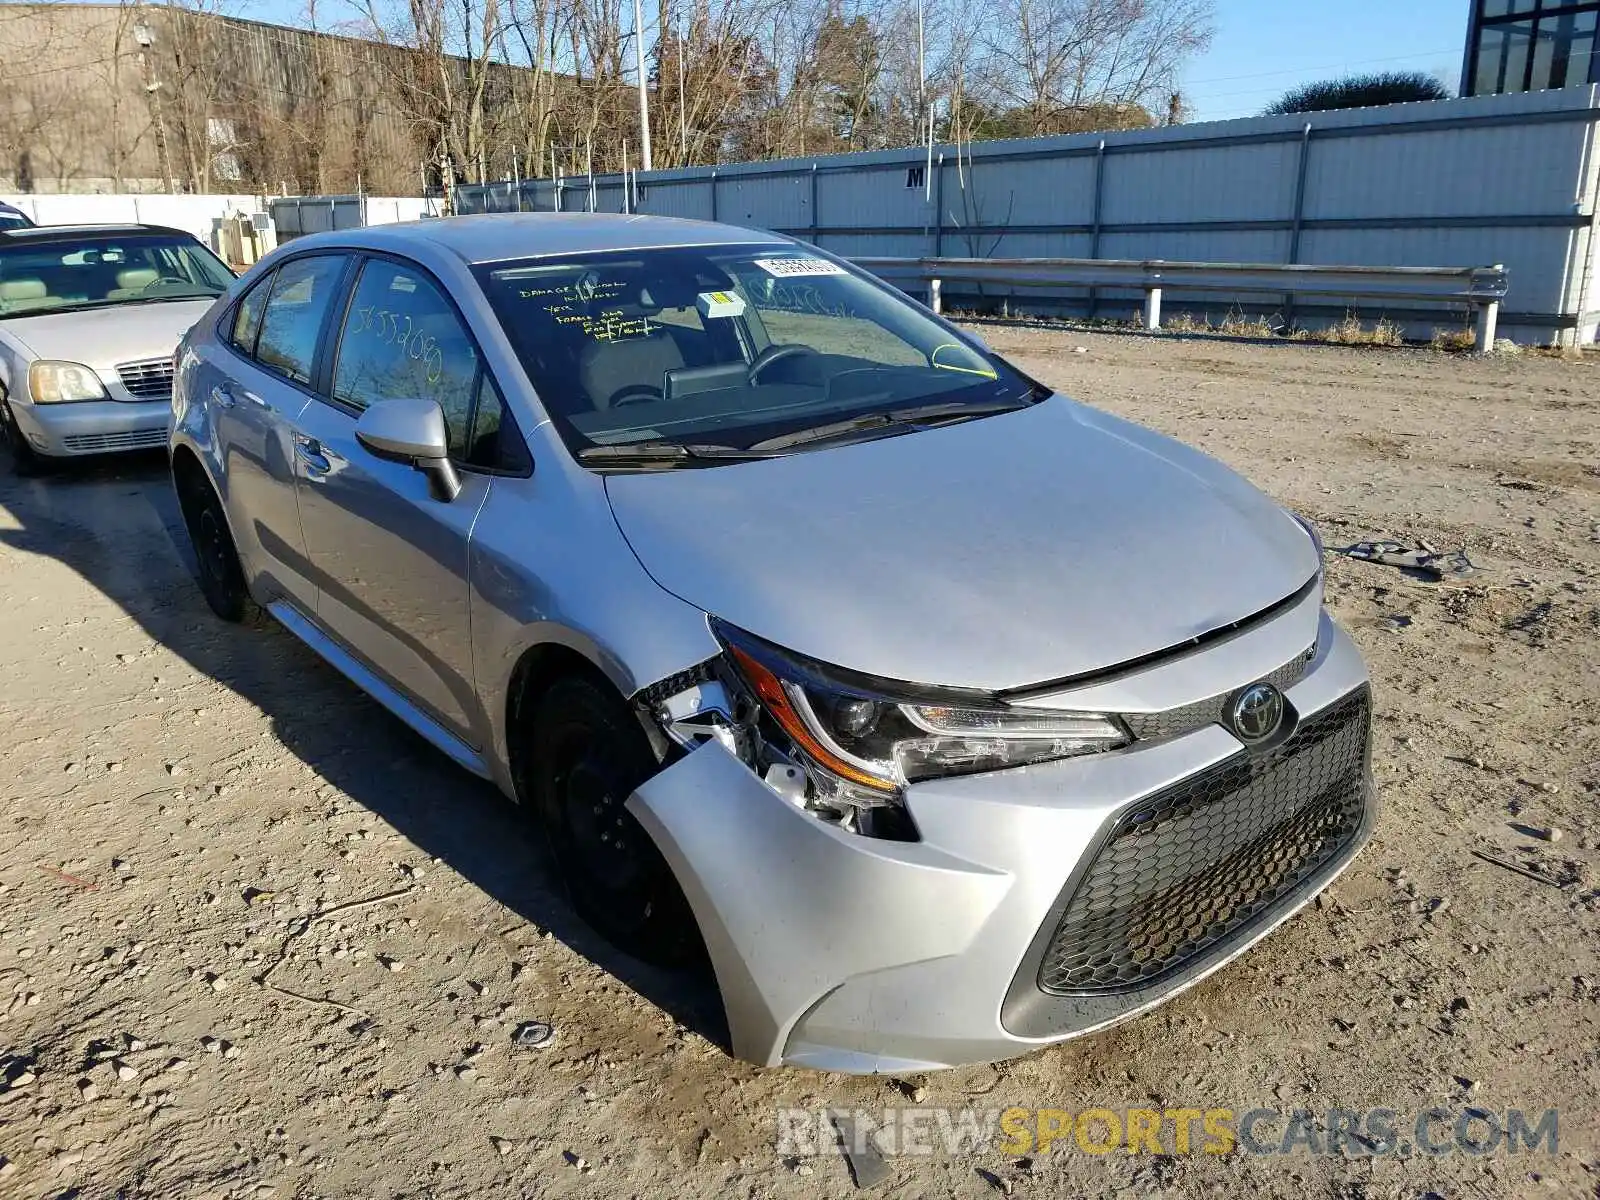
[[589, 754], [25, 460], [220, 576]]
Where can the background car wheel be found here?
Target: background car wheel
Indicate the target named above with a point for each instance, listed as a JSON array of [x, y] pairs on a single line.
[[221, 577], [589, 754], [25, 460]]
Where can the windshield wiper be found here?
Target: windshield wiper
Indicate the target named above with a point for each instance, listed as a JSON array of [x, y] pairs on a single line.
[[650, 454], [84, 305], [168, 297], [919, 414]]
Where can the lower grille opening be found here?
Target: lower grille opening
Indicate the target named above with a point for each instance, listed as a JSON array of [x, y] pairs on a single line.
[[1192, 865], [136, 440]]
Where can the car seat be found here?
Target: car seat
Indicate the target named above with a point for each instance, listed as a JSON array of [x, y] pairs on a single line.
[[24, 294], [131, 281]]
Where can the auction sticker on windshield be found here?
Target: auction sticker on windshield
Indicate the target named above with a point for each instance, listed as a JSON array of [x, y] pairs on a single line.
[[720, 304], [792, 268]]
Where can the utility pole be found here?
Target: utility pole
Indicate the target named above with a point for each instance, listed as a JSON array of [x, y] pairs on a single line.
[[145, 36], [644, 94], [683, 101], [924, 109], [922, 75]]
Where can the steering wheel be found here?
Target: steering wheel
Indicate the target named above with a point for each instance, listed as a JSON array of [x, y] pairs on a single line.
[[774, 354], [167, 279], [635, 393]]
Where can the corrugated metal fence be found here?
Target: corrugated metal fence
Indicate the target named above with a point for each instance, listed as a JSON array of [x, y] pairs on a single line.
[[1494, 179]]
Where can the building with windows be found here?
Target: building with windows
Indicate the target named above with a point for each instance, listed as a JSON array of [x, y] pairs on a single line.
[[1530, 45]]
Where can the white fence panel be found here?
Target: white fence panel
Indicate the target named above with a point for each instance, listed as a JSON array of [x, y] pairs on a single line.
[[200, 215]]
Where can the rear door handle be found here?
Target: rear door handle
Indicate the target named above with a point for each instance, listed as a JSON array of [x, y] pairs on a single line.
[[221, 396], [309, 451]]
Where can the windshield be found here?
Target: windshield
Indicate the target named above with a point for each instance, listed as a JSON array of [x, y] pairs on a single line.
[[725, 346], [63, 274]]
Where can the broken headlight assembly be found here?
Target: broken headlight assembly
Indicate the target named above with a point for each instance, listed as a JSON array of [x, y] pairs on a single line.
[[861, 741]]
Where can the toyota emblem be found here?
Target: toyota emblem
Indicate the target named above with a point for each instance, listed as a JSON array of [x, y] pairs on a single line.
[[1256, 712]]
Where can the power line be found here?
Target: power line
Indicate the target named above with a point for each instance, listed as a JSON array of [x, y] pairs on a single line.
[[1340, 66]]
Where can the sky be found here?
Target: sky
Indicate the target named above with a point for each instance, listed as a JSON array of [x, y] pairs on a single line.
[[1262, 48]]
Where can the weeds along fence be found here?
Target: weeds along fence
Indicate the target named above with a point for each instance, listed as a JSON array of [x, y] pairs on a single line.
[[1510, 179]]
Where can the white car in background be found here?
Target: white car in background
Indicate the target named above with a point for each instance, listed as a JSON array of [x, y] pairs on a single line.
[[89, 318]]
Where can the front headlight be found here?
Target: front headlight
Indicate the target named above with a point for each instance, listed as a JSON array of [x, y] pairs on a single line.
[[861, 743], [51, 382]]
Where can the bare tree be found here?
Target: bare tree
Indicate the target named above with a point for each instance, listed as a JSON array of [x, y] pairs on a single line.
[[1050, 59], [443, 55], [192, 97]]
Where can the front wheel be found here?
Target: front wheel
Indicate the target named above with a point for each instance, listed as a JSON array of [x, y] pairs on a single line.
[[589, 754], [25, 460]]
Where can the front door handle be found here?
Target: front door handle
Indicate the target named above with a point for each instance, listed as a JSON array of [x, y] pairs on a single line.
[[221, 396], [309, 451]]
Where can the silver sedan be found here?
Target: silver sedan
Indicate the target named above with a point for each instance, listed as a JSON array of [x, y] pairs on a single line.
[[89, 318], [947, 717]]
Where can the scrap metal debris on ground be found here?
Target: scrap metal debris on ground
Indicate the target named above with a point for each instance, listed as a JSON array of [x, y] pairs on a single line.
[[533, 1035], [1422, 559]]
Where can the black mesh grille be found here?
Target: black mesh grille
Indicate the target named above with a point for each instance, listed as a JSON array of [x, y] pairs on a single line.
[[1194, 864]]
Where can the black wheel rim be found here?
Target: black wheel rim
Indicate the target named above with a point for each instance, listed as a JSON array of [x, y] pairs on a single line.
[[211, 547], [603, 839]]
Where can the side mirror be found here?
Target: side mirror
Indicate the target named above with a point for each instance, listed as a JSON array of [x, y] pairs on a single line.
[[412, 432]]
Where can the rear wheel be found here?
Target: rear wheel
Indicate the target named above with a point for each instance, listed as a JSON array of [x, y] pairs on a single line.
[[221, 577], [589, 754]]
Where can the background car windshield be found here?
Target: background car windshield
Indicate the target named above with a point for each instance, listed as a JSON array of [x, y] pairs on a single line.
[[57, 275], [727, 345]]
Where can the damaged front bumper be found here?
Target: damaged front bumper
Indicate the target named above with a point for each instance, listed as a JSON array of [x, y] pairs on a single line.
[[859, 954]]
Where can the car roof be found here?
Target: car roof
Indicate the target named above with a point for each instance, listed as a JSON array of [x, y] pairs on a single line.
[[498, 237], [67, 233]]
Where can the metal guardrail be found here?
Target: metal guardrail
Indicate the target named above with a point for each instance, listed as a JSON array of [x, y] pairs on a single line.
[[1482, 287]]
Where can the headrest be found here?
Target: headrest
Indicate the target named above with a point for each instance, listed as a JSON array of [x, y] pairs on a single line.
[[136, 277], [23, 289]]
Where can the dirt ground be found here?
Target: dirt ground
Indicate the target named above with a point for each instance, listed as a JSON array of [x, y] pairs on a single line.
[[179, 796]]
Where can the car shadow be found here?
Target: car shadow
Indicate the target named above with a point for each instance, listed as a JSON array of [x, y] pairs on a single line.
[[115, 521]]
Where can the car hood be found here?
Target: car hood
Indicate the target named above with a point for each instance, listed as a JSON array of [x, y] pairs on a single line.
[[103, 337], [998, 553]]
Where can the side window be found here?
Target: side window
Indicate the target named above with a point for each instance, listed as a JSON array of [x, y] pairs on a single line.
[[402, 340], [484, 447], [301, 293], [247, 317]]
